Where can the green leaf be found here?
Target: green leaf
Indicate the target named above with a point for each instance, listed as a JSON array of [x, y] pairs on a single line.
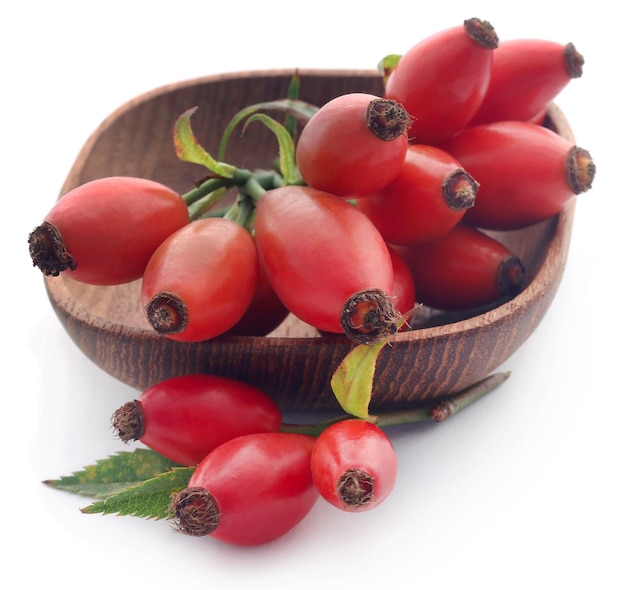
[[387, 64], [114, 474], [286, 147], [149, 499], [353, 379], [189, 149], [300, 109], [293, 93]]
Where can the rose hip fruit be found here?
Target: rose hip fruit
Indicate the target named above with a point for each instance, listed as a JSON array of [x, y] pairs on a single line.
[[354, 465], [463, 270], [442, 80], [526, 173], [184, 418], [104, 232], [353, 145], [250, 490]]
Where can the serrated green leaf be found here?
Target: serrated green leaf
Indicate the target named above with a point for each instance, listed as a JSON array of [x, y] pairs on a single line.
[[149, 499], [353, 379], [189, 149], [114, 474], [286, 147], [298, 108]]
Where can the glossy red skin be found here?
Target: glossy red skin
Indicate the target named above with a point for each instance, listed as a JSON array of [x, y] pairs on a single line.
[[337, 153], [441, 82], [521, 169], [353, 444], [186, 417], [317, 251], [212, 264], [112, 225], [458, 271], [265, 313], [262, 484], [525, 76], [412, 208], [403, 290]]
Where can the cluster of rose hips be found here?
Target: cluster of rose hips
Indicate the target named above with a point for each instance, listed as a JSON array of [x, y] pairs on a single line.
[[382, 202], [256, 478]]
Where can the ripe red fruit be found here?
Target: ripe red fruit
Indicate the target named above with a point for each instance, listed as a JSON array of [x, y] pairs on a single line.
[[463, 270], [265, 313], [425, 200], [103, 232], [200, 281], [525, 76], [526, 173], [403, 290], [318, 250], [442, 80], [353, 145], [250, 490], [354, 465], [184, 418]]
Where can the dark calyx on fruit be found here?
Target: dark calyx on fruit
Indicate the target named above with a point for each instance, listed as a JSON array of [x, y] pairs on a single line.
[[127, 421], [482, 32], [387, 119], [48, 252], [195, 512], [369, 316], [167, 313]]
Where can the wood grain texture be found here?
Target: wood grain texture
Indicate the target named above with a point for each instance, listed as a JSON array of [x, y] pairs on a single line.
[[444, 354]]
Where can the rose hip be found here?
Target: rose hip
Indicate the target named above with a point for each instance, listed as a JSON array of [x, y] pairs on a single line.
[[103, 232], [353, 145], [354, 465], [201, 280], [427, 198], [525, 76], [442, 80], [526, 173], [250, 490], [463, 270], [184, 418]]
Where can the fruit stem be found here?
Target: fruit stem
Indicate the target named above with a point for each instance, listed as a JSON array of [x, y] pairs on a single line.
[[206, 188], [432, 413]]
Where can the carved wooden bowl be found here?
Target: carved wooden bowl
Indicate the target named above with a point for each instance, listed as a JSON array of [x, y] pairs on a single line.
[[446, 352]]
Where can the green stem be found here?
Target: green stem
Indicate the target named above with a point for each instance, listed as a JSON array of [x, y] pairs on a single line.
[[206, 188], [241, 210], [199, 208], [433, 413], [253, 188]]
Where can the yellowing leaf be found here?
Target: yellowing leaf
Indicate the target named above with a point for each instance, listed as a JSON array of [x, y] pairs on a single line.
[[189, 149], [353, 379]]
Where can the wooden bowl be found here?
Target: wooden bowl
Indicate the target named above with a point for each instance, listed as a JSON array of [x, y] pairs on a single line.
[[294, 364]]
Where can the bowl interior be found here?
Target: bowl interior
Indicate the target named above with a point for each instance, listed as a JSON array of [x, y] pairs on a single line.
[[445, 353]]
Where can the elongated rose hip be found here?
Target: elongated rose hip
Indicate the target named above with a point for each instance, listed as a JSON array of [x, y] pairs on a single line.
[[427, 198], [457, 58], [463, 270], [353, 145], [200, 281], [525, 76], [184, 418], [250, 490], [103, 232], [526, 173], [318, 250]]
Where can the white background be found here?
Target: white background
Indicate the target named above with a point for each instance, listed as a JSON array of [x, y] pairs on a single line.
[[525, 489]]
